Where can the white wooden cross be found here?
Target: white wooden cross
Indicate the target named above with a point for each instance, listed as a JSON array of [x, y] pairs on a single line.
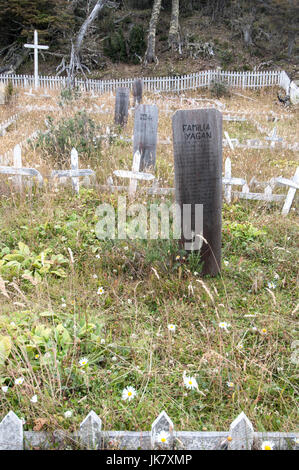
[[74, 173], [36, 47], [19, 171], [293, 185], [228, 181], [228, 139], [135, 174], [273, 137]]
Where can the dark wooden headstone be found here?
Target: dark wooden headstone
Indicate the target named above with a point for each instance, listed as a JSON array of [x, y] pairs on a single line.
[[121, 106], [145, 134], [197, 140], [137, 91]]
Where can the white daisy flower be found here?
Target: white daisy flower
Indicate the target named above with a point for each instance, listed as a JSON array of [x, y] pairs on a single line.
[[4, 389], [171, 327], [240, 346], [190, 382], [33, 399], [271, 285], [224, 325], [230, 384], [83, 361], [103, 341], [95, 276], [100, 291], [98, 256], [128, 393], [19, 381], [263, 331], [268, 445], [68, 414], [162, 437]]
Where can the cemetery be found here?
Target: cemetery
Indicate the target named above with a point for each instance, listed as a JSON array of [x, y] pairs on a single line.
[[98, 337], [148, 259]]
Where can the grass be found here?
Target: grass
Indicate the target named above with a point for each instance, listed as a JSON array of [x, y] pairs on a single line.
[[53, 315]]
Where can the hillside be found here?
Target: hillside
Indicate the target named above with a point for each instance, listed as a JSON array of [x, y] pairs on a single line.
[[116, 43]]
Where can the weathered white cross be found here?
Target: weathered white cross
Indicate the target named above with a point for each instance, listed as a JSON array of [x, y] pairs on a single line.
[[36, 47], [135, 174], [229, 181], [293, 184], [74, 173], [273, 137], [20, 171]]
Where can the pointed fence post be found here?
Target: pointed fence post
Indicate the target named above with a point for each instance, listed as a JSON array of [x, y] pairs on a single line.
[[163, 428], [90, 431], [75, 167], [17, 163], [11, 432], [241, 433]]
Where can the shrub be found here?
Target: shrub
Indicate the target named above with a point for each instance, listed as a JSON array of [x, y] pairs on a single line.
[[120, 49], [219, 89], [10, 93], [137, 44], [115, 47], [68, 95], [79, 131]]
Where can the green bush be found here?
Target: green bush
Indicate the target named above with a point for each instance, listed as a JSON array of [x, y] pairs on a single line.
[[120, 49], [137, 44], [10, 93], [219, 89], [79, 131], [115, 47], [68, 95]]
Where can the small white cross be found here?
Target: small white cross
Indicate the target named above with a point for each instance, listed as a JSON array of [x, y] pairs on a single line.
[[273, 137], [74, 173], [135, 174], [36, 47]]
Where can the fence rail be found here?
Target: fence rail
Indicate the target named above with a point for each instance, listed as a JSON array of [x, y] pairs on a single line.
[[162, 84]]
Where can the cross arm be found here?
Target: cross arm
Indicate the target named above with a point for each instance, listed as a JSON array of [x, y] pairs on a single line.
[[34, 46], [134, 175]]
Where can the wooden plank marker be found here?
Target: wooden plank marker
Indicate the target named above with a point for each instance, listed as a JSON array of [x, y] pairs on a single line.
[[197, 140]]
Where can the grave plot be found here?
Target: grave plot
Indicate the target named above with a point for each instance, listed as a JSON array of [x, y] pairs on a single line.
[[128, 327]]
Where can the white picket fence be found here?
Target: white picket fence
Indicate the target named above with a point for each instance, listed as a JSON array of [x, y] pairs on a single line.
[[162, 84], [241, 436]]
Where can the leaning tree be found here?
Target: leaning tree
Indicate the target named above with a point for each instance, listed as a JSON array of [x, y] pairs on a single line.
[[75, 64]]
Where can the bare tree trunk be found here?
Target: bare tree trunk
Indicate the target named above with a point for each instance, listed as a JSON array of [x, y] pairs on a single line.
[[150, 55], [75, 64], [174, 36]]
